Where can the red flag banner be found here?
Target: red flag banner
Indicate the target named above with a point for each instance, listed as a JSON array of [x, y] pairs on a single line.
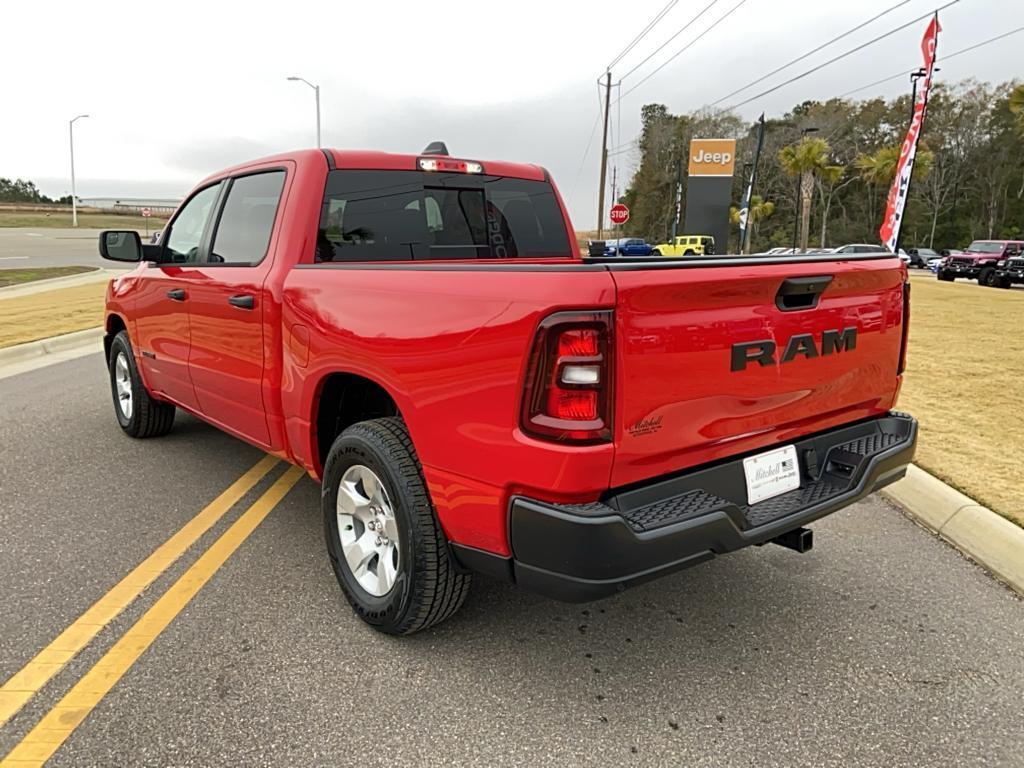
[[890, 230]]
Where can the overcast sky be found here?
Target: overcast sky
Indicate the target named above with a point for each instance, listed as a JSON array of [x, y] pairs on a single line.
[[179, 90]]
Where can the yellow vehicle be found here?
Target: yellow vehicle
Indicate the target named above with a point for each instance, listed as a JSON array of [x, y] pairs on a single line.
[[687, 245]]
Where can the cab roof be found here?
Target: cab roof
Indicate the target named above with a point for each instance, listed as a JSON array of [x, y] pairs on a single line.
[[371, 160], [387, 161]]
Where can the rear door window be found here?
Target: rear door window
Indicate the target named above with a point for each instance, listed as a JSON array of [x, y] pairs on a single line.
[[413, 215]]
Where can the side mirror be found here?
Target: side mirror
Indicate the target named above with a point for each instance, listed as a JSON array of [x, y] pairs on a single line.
[[120, 245]]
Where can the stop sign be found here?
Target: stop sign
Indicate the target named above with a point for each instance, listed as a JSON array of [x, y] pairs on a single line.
[[146, 212], [619, 214]]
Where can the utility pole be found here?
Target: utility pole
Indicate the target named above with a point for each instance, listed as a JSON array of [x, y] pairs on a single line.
[[615, 189], [604, 156]]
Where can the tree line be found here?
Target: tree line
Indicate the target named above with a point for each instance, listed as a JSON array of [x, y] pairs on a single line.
[[838, 158], [21, 191]]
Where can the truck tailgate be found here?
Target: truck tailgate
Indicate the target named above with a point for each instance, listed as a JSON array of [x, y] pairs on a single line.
[[686, 395]]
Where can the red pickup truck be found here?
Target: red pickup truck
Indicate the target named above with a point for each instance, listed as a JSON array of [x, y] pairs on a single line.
[[422, 335]]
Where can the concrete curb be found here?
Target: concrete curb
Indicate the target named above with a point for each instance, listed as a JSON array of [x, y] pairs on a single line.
[[35, 354], [992, 541]]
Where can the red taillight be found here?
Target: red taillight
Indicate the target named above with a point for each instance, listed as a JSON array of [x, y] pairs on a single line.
[[568, 381], [906, 328]]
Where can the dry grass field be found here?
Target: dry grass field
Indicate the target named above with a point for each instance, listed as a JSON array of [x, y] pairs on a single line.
[[965, 383], [62, 219], [40, 315], [19, 276]]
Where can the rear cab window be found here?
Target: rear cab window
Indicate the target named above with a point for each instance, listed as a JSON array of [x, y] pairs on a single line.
[[417, 215]]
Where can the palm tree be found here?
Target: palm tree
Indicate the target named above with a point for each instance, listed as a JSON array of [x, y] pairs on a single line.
[[879, 168], [760, 209], [807, 159]]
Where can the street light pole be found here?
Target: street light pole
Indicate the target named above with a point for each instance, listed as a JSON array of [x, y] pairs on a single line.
[[74, 202], [316, 91]]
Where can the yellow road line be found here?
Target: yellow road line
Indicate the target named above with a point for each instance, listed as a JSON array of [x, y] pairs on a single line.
[[60, 722], [27, 681]]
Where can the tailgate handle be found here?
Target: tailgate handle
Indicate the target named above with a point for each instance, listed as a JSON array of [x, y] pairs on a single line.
[[801, 292]]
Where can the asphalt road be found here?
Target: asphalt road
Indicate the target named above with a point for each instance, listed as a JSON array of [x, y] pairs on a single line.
[[882, 646], [42, 247]]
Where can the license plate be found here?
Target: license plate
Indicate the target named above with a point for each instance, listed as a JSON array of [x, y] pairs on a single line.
[[771, 474]]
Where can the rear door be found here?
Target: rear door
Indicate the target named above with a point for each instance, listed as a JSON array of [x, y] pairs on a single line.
[[714, 361], [227, 304], [162, 332]]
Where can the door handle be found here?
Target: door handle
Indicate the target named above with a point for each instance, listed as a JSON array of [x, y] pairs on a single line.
[[176, 294], [242, 301], [801, 292]]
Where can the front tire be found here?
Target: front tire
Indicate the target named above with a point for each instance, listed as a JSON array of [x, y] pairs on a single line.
[[945, 277], [138, 414], [987, 277], [388, 551]]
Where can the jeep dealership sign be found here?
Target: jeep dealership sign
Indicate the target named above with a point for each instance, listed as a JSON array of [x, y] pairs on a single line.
[[709, 189], [712, 157]]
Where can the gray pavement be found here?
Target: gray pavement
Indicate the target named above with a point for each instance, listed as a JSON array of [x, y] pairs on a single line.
[[882, 646], [42, 247]]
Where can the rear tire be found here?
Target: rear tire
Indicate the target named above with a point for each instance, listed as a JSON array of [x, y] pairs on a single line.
[[987, 277], [945, 276], [688, 252], [396, 590], [138, 414], [655, 252]]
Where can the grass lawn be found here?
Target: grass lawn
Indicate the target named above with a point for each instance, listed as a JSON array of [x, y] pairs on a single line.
[[60, 219], [19, 276], [965, 383], [50, 313]]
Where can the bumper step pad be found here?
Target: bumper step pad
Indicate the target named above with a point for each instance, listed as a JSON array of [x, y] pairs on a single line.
[[840, 470]]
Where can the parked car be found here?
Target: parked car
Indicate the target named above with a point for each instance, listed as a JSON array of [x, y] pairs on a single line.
[[687, 245], [420, 334], [934, 264], [859, 248], [1010, 270], [979, 261], [628, 246], [919, 257]]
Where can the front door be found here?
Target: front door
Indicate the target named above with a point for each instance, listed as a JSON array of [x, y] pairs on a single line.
[[226, 306], [162, 332]]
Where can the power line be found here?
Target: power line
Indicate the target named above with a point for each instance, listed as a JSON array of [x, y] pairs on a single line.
[[650, 25], [812, 52], [583, 160], [686, 47], [680, 31], [903, 73], [833, 60]]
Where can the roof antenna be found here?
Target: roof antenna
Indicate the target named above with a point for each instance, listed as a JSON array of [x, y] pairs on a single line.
[[436, 148]]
